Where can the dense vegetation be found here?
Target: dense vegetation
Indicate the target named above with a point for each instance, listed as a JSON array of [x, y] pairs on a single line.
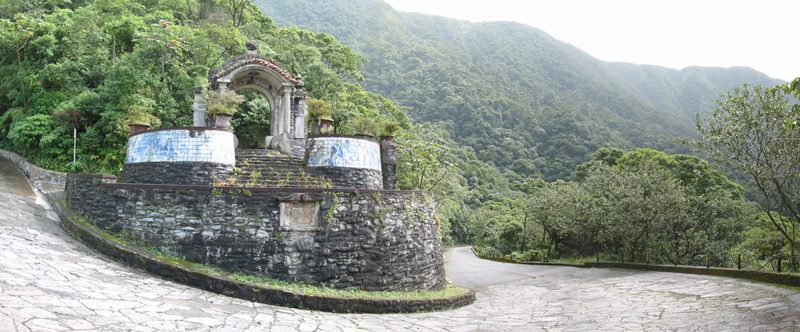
[[641, 205], [519, 98], [96, 65]]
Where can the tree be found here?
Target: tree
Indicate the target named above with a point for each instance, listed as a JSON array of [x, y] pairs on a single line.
[[747, 131], [603, 156], [236, 9], [423, 162], [15, 35], [793, 88]]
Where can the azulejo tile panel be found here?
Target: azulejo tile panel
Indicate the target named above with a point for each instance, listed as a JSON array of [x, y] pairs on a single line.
[[182, 145], [343, 152]]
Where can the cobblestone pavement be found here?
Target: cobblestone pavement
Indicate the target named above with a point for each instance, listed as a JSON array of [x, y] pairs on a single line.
[[49, 282]]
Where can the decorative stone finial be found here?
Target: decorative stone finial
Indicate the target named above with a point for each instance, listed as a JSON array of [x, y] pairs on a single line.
[[252, 46]]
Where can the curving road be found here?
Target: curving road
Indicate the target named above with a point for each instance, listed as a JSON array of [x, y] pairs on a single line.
[[49, 282]]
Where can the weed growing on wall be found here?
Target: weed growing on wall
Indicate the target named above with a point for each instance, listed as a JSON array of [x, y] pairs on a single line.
[[334, 197]]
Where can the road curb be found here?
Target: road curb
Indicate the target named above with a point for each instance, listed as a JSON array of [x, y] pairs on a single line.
[[787, 279]]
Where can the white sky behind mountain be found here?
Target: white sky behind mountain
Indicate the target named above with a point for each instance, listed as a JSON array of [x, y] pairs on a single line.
[[763, 34]]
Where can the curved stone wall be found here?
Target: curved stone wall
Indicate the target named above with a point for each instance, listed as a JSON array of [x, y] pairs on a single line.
[[349, 162], [380, 240], [194, 144], [180, 156], [42, 179]]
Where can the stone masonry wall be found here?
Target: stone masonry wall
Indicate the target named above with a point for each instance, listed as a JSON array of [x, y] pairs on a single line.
[[42, 179], [351, 177], [176, 172], [379, 240]]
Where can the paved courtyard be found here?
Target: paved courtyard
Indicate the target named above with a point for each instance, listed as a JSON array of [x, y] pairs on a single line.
[[49, 282]]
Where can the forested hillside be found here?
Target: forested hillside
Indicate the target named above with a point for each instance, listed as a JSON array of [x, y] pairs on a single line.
[[95, 66], [520, 98]]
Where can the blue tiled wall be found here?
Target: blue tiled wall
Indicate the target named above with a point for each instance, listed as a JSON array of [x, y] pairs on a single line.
[[182, 145], [343, 152]]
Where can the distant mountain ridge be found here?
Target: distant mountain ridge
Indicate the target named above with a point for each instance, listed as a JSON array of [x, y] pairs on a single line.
[[520, 98]]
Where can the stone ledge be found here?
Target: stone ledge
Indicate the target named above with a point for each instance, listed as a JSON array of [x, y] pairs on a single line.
[[512, 261], [261, 189], [788, 279], [248, 291], [44, 180]]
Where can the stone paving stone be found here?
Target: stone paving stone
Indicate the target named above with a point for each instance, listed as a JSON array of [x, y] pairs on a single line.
[[50, 282]]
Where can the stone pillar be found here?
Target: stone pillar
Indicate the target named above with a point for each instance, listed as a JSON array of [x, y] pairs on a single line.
[[275, 121], [199, 107], [302, 109], [272, 126], [287, 110], [300, 119], [388, 163]]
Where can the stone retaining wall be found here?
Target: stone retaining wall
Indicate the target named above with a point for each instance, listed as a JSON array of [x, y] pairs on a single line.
[[251, 292], [42, 179], [374, 240], [351, 177], [177, 173]]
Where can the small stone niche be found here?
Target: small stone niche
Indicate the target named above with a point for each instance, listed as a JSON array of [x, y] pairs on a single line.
[[299, 212]]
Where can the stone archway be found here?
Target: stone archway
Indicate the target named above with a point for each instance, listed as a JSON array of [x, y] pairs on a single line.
[[284, 92]]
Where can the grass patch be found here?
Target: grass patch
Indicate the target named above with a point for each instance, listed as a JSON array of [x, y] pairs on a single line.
[[574, 260], [449, 291]]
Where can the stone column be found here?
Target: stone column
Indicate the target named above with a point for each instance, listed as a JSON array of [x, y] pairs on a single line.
[[300, 119], [388, 163], [199, 107], [273, 115], [276, 121], [287, 110]]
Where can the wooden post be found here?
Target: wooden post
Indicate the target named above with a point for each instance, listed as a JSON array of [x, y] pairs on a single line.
[[739, 262], [708, 261]]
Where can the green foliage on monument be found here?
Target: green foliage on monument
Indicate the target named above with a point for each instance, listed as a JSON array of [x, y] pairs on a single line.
[[91, 65]]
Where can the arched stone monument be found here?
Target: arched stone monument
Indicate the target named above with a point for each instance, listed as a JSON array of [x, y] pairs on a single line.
[[284, 92]]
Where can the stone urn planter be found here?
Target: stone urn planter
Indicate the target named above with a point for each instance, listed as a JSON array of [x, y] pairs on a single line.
[[324, 127], [137, 127], [221, 121]]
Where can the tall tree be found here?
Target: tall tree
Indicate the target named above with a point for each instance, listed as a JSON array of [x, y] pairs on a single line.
[[236, 9], [748, 131], [15, 36]]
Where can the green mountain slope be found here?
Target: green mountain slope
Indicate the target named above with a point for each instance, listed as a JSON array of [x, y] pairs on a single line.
[[520, 98]]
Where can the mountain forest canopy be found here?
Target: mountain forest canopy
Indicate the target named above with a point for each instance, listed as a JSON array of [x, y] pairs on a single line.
[[531, 146], [519, 98]]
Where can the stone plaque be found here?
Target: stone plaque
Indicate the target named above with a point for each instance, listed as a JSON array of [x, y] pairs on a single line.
[[299, 216]]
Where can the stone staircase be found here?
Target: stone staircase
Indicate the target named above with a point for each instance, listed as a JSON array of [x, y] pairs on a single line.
[[267, 168]]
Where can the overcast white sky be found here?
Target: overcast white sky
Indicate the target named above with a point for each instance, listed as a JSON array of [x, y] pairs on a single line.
[[763, 34]]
